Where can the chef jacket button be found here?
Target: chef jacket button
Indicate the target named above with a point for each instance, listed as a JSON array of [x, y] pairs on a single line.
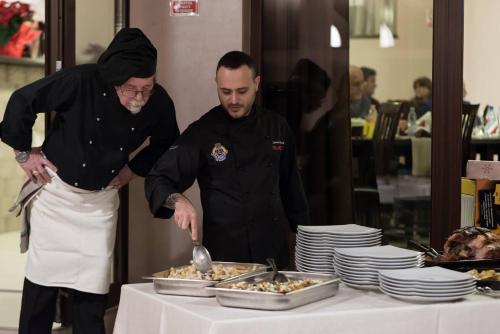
[[84, 165], [132, 129], [90, 142], [121, 148], [112, 171], [98, 119], [76, 184], [102, 188], [103, 94]]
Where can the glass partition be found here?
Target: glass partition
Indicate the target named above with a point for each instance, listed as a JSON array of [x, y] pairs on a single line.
[[304, 78], [391, 116]]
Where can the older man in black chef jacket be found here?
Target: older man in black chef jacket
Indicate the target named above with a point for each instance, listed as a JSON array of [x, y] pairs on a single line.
[[244, 160], [103, 112]]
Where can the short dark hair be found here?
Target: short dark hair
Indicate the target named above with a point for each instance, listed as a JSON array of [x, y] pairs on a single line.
[[422, 82], [236, 59], [368, 72]]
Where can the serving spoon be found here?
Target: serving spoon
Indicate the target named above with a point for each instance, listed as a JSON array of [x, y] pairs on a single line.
[[277, 276], [201, 257]]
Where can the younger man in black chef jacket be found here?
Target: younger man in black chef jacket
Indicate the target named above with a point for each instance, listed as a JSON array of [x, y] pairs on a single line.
[[244, 159], [103, 112]]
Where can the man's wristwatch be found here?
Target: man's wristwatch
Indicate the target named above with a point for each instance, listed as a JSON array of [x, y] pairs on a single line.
[[22, 156], [171, 199]]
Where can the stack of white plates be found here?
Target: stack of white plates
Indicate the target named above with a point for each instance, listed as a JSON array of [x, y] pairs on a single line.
[[358, 267], [432, 284], [315, 244]]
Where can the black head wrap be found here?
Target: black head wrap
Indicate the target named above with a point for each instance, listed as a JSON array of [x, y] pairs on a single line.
[[130, 54]]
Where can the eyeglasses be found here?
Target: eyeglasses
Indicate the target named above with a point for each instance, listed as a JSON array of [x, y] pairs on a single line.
[[133, 93]]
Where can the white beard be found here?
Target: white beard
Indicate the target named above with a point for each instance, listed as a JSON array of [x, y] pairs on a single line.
[[136, 106]]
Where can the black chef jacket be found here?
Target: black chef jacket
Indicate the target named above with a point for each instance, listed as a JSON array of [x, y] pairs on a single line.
[[249, 182], [92, 134]]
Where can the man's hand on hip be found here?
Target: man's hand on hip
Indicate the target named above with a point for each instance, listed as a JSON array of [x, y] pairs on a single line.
[[123, 178], [34, 167]]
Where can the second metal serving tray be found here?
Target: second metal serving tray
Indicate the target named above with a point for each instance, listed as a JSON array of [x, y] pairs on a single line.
[[274, 301]]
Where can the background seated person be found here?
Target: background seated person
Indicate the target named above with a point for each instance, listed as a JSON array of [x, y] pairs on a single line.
[[360, 104], [370, 76], [422, 101]]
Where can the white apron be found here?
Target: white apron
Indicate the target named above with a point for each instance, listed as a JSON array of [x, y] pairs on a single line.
[[72, 236]]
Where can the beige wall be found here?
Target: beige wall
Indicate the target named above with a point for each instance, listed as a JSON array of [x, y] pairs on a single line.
[[410, 58], [94, 25], [188, 50], [482, 51]]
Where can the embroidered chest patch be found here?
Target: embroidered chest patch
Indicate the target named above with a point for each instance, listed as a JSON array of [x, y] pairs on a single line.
[[278, 146], [219, 152]]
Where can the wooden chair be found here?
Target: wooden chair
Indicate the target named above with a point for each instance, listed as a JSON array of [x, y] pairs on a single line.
[[384, 134], [366, 197], [469, 112]]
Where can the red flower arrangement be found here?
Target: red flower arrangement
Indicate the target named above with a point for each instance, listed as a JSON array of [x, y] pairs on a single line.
[[18, 33], [12, 16]]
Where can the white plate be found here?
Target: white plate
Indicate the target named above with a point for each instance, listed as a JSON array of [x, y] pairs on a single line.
[[325, 237], [314, 255], [314, 271], [422, 299], [361, 277], [426, 284], [310, 251], [322, 246], [312, 261], [360, 280], [371, 287], [338, 237], [427, 275], [428, 292], [349, 229], [330, 241], [315, 265], [355, 272], [375, 265], [387, 252], [426, 287], [378, 261]]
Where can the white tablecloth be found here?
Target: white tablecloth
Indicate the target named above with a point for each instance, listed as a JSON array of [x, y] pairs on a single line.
[[351, 311]]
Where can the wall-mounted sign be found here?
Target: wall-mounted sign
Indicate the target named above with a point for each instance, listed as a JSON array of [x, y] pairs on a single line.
[[184, 8]]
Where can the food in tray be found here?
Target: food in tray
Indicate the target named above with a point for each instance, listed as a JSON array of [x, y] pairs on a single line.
[[491, 275], [472, 243], [219, 272], [274, 286]]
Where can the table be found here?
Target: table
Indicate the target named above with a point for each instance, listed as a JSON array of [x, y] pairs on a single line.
[[351, 311], [487, 147]]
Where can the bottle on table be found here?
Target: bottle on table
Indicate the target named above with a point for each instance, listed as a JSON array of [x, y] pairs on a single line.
[[412, 121]]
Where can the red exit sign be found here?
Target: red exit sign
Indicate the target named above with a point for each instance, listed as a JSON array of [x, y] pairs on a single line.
[[184, 8]]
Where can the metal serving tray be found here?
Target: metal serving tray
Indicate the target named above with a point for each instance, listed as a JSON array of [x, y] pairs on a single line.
[[274, 300], [196, 287]]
